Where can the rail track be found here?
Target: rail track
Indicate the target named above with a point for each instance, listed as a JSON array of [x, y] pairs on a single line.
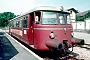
[[64, 58], [73, 55]]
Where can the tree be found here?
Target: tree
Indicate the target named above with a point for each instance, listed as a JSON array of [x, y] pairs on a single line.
[[79, 18], [82, 18], [5, 17]]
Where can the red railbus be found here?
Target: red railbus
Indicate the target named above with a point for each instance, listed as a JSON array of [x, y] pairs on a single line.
[[44, 28]]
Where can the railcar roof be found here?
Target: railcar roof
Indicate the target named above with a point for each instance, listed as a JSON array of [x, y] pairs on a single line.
[[41, 8], [51, 8]]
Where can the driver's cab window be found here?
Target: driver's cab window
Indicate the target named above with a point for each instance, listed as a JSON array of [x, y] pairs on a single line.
[[62, 18], [37, 17]]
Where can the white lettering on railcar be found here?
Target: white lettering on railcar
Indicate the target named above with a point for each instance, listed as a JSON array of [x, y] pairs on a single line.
[[25, 32]]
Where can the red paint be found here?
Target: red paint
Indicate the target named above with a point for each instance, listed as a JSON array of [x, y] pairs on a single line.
[[40, 36], [30, 32], [53, 44]]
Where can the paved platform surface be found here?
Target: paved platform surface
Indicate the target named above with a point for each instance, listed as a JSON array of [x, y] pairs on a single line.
[[11, 50], [84, 36]]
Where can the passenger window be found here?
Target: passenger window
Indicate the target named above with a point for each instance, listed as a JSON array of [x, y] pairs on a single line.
[[17, 23], [25, 23], [14, 23], [11, 24], [20, 23]]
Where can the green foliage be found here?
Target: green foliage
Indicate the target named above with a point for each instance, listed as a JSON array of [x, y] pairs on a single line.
[[87, 15], [78, 18], [82, 18], [5, 17]]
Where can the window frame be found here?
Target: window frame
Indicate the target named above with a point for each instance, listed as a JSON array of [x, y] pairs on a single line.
[[25, 18], [49, 24], [65, 18]]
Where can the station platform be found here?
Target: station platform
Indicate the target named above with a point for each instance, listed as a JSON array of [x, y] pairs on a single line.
[[10, 49]]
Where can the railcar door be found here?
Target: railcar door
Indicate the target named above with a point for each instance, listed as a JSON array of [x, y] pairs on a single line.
[[30, 26], [37, 32]]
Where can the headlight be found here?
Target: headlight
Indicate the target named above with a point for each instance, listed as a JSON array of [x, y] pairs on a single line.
[[52, 35]]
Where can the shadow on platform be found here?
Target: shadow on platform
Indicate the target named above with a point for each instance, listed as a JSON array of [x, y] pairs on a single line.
[[7, 50]]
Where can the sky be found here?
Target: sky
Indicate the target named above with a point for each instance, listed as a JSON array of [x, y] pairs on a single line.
[[21, 6]]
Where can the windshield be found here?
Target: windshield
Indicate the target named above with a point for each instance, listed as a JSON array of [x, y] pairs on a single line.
[[49, 18], [64, 18]]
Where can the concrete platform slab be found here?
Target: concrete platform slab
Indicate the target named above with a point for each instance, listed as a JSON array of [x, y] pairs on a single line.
[[11, 50]]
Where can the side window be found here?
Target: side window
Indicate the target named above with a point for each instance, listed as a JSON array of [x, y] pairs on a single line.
[[17, 23], [11, 24], [25, 22], [68, 19], [20, 23], [14, 23], [37, 17]]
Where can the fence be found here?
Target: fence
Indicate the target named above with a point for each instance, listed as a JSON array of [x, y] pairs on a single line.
[[81, 27]]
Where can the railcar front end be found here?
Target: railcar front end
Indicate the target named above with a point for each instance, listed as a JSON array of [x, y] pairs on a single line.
[[53, 31]]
